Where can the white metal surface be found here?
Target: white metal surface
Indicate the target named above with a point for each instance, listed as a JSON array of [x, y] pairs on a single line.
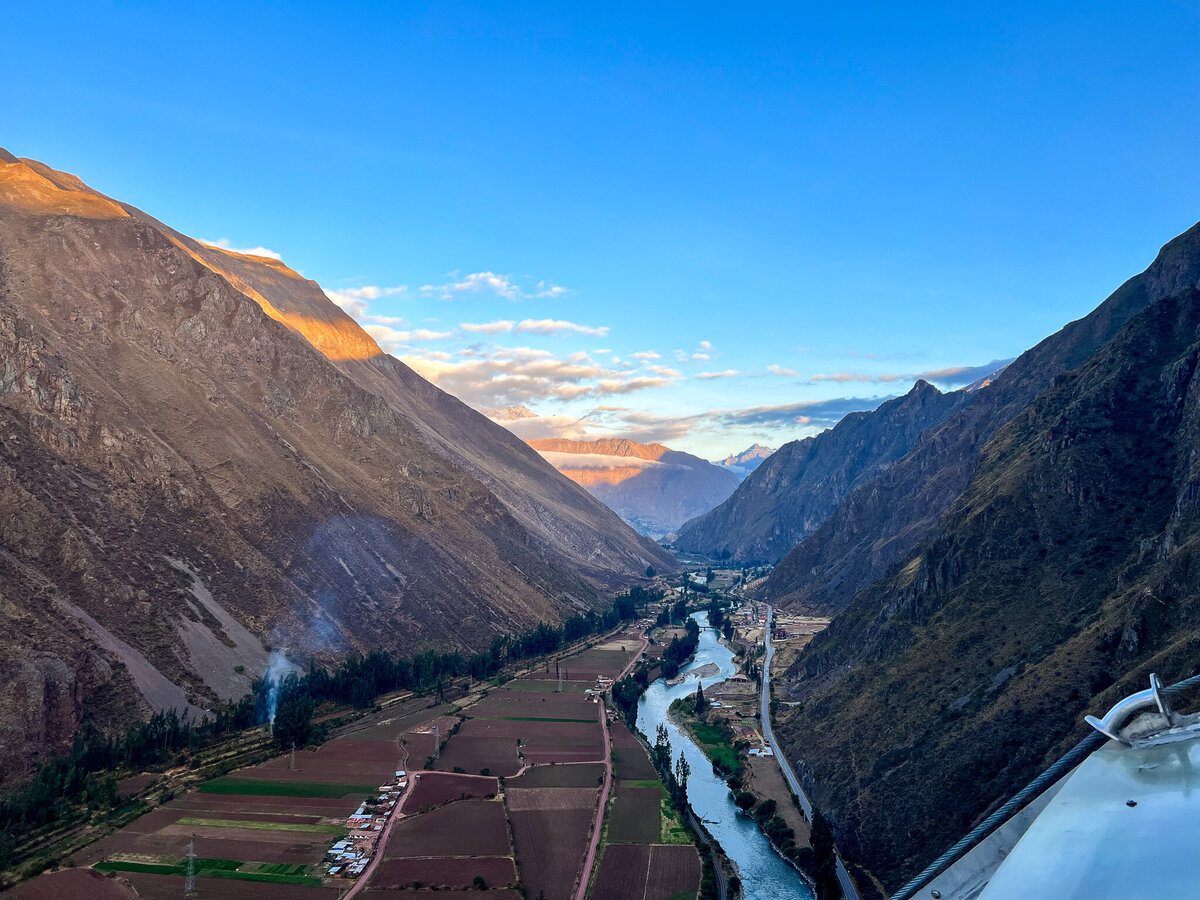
[[1125, 825]]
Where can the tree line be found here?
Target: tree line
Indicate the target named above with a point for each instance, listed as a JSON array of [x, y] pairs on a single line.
[[83, 775]]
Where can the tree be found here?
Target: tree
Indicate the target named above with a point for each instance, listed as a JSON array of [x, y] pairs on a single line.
[[293, 723], [650, 572], [682, 770], [701, 703]]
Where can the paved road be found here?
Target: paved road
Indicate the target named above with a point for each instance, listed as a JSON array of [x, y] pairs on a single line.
[[598, 823], [847, 883]]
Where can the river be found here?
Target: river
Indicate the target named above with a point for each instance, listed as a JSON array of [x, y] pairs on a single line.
[[765, 875]]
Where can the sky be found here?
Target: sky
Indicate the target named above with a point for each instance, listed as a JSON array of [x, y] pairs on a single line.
[[705, 224]]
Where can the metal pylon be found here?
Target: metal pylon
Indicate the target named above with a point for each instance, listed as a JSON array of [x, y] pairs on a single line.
[[189, 882]]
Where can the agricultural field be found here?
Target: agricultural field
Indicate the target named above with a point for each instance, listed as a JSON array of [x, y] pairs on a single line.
[[265, 829], [502, 798], [438, 788], [647, 851]]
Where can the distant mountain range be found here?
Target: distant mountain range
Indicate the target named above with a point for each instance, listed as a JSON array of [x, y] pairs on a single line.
[[203, 456], [652, 487], [797, 487], [742, 464], [1031, 557]]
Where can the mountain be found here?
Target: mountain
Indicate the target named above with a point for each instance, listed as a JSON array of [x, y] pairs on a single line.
[[204, 457], [653, 488], [881, 522], [796, 488], [1053, 584], [742, 464]]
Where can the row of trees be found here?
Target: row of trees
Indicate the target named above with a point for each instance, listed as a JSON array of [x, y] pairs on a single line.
[[81, 776]]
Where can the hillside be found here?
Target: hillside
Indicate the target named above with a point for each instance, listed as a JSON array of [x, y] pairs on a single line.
[[1054, 584], [653, 488], [881, 522], [204, 457], [797, 487]]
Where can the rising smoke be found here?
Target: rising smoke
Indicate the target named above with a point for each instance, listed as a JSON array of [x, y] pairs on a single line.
[[278, 668]]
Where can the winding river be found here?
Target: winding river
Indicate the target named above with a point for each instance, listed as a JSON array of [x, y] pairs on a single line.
[[765, 875]]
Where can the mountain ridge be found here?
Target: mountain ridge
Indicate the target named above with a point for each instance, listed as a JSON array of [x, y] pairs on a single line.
[[651, 486], [186, 478], [883, 519], [797, 487]]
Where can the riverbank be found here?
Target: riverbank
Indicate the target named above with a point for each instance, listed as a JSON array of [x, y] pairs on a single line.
[[756, 783], [764, 874]]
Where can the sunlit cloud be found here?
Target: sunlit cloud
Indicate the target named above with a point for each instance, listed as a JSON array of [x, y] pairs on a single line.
[[225, 244], [645, 355], [728, 373], [782, 370], [487, 376], [487, 327], [558, 327]]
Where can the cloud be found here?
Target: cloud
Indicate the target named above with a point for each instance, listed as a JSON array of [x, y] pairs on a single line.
[[782, 370], [486, 376], [665, 371], [783, 422], [356, 302], [393, 340], [224, 244], [705, 345], [558, 327], [645, 355], [728, 373], [952, 377], [487, 327], [701, 356], [503, 286]]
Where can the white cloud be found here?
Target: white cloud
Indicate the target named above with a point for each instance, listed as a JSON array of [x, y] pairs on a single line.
[[558, 327], [705, 345], [393, 340], [645, 355], [224, 244], [728, 373], [487, 327], [782, 370], [504, 286], [495, 377]]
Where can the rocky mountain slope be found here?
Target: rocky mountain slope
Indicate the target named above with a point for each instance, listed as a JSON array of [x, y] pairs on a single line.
[[742, 464], [653, 488], [202, 457], [1054, 583], [882, 521], [796, 488]]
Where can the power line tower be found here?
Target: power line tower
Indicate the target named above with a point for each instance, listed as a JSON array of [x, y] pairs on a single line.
[[558, 672], [189, 883], [292, 765], [437, 743]]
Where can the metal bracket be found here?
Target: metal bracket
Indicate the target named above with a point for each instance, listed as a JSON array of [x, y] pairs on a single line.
[[1124, 710]]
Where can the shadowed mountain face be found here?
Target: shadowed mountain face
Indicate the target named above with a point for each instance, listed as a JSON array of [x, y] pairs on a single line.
[[200, 455], [653, 488], [881, 522], [796, 488], [1053, 584]]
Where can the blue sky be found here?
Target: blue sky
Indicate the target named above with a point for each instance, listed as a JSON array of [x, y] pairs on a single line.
[[825, 201]]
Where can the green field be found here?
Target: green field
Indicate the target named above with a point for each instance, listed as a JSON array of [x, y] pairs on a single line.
[[265, 826], [276, 873], [592, 721], [250, 787], [714, 741]]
